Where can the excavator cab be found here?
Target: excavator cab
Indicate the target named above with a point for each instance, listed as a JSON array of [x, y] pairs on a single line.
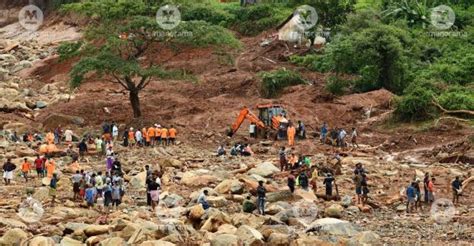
[[271, 118]]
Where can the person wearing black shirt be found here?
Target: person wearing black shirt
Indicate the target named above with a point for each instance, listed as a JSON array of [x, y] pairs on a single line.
[[291, 182], [328, 182], [457, 186], [304, 182], [261, 192]]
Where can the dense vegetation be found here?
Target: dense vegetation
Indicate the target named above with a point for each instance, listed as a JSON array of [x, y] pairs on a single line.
[[387, 44]]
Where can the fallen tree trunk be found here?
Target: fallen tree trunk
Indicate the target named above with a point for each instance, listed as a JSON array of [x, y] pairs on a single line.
[[469, 112]]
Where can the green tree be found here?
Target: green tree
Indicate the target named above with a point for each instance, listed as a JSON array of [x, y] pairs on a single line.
[[119, 59]]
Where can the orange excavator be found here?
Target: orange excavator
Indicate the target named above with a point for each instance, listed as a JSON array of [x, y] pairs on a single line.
[[271, 118]]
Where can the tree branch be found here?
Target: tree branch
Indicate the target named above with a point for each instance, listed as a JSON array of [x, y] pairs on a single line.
[[434, 101], [119, 81]]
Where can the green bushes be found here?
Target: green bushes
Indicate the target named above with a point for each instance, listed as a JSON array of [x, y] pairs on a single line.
[[202, 33], [274, 82], [457, 98], [206, 13], [336, 85]]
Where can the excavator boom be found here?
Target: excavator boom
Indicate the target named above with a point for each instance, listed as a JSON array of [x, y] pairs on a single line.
[[245, 114]]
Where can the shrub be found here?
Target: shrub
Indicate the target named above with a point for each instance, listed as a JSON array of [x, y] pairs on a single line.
[[314, 62], [336, 85], [415, 105], [457, 98], [274, 82], [206, 13], [205, 34]]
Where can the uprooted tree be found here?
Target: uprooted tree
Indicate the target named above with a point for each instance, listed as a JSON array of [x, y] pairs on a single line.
[[121, 59]]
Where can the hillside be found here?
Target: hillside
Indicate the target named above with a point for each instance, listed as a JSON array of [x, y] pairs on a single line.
[[409, 96]]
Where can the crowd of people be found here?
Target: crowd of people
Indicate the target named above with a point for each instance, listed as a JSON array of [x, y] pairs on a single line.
[[337, 136]]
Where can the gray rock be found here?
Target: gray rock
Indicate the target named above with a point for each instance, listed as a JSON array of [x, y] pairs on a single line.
[[41, 104], [225, 240], [21, 65], [334, 227], [264, 169], [249, 235], [279, 196], [3, 74], [171, 200]]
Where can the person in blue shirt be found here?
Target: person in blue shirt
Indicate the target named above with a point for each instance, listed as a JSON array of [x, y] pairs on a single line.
[[52, 188], [324, 133], [90, 196], [411, 197]]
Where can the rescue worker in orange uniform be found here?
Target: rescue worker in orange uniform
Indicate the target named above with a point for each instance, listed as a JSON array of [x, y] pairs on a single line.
[[291, 131], [145, 136], [158, 134], [131, 137], [172, 138], [50, 167], [164, 136], [150, 136]]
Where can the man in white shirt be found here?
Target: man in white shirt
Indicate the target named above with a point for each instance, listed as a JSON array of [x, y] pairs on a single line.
[[253, 130], [68, 136]]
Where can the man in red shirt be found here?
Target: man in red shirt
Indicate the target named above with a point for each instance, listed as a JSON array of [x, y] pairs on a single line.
[[39, 165], [431, 190]]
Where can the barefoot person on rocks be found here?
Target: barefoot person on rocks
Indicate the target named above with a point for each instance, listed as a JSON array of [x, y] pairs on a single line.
[[25, 169], [457, 187]]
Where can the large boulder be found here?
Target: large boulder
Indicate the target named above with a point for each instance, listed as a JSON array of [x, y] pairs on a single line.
[[21, 65], [138, 181], [279, 196], [94, 230], [198, 179], [226, 229], [229, 186], [278, 239], [24, 151], [196, 212], [171, 200], [334, 227], [12, 223], [264, 169], [164, 163], [67, 241], [113, 241], [217, 201], [157, 243], [9, 93], [226, 240], [41, 194], [41, 241], [366, 238], [214, 219], [334, 211], [53, 120], [249, 235], [13, 237]]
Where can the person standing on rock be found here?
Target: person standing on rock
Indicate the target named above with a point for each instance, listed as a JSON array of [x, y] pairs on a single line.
[[426, 180], [98, 145], [283, 160], [109, 159], [202, 199], [418, 194], [457, 189], [131, 137], [153, 187], [164, 135], [291, 182], [157, 134], [304, 182], [115, 132], [172, 138], [90, 195], [39, 165], [139, 138], [411, 197], [99, 184], [253, 130], [324, 133], [76, 185], [354, 138], [8, 169], [25, 168], [151, 136], [291, 131], [53, 184], [261, 193], [365, 189], [301, 130], [58, 134], [68, 136], [328, 181], [50, 167], [82, 148], [358, 184]]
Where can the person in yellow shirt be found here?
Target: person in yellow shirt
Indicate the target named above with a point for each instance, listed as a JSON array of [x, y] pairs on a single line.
[[25, 168], [50, 167], [164, 136], [291, 131], [172, 132], [151, 136], [157, 134]]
